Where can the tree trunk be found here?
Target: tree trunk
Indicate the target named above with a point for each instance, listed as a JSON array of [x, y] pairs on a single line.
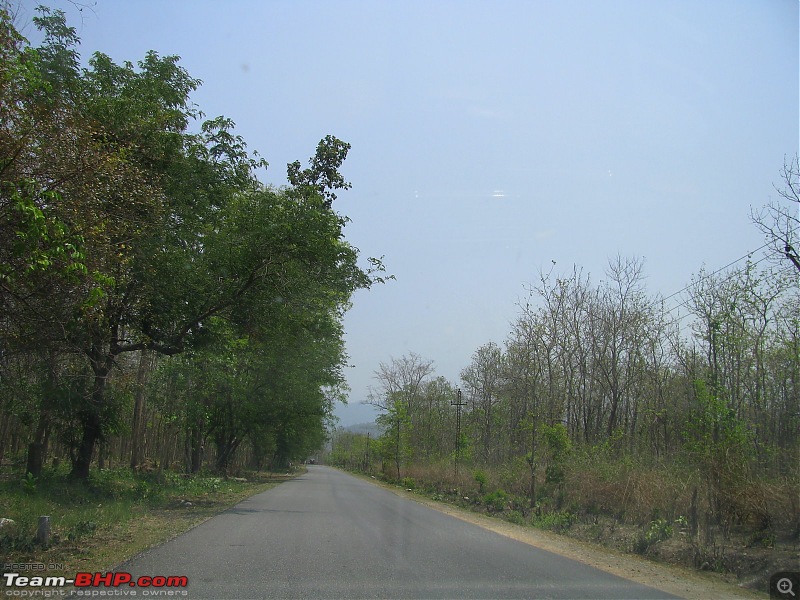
[[38, 448], [226, 448], [397, 451], [92, 430], [197, 450], [137, 427], [91, 424], [532, 465]]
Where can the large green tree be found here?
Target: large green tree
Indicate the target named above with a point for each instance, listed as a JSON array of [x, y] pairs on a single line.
[[128, 232]]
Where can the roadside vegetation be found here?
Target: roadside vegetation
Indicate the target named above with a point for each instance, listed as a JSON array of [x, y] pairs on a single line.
[[161, 309], [96, 525], [661, 426]]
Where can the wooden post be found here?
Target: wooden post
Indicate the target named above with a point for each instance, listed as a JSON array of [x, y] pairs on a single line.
[[43, 534]]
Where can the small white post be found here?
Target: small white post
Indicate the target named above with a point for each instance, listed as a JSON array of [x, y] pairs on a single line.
[[43, 534]]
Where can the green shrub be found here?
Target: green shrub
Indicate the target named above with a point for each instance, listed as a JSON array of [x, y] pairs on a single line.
[[29, 484], [555, 521], [657, 531], [515, 517], [480, 478], [554, 474], [408, 483], [496, 501]]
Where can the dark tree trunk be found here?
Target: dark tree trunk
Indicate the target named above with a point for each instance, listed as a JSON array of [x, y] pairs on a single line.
[[91, 423], [197, 448], [35, 458], [38, 448], [137, 428], [226, 448], [92, 431]]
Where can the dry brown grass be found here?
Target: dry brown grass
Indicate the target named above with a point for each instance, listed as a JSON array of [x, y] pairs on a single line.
[[631, 493]]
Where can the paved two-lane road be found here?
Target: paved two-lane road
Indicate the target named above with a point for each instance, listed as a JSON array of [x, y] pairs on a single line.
[[327, 534]]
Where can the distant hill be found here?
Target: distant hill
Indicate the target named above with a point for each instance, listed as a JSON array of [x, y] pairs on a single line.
[[373, 429]]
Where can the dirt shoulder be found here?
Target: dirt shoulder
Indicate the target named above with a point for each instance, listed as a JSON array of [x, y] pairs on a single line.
[[680, 581]]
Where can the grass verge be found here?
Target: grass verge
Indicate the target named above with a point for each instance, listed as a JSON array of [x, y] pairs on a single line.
[[115, 516]]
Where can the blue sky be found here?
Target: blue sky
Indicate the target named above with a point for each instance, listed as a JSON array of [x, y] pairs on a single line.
[[491, 138]]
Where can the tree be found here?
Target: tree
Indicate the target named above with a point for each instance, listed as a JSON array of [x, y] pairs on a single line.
[[404, 380], [779, 220], [483, 379], [396, 425], [136, 234], [322, 175]]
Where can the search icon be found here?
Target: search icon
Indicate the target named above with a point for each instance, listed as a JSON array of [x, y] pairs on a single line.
[[784, 586]]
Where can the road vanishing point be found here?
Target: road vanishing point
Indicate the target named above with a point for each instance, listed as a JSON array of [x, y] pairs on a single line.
[[326, 534]]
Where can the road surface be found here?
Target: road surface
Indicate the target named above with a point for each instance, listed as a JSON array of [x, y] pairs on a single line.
[[327, 534]]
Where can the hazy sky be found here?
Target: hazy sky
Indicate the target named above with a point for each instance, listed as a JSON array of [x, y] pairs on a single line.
[[491, 138]]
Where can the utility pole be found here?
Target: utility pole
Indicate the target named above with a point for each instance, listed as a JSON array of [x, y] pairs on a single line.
[[366, 463], [458, 404]]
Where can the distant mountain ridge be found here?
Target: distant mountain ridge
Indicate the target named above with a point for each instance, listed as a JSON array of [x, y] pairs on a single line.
[[373, 429]]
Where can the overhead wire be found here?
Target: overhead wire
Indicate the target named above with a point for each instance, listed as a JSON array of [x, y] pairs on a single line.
[[730, 264], [685, 304]]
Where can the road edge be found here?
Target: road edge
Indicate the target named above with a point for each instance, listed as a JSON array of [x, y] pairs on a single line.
[[672, 579]]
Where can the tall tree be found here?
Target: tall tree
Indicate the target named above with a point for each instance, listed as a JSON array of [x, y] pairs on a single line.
[[153, 230]]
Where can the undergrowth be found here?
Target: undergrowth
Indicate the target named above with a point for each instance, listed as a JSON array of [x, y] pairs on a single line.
[[657, 500], [80, 510]]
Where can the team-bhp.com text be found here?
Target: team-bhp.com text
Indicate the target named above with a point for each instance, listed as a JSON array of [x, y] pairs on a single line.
[[97, 580]]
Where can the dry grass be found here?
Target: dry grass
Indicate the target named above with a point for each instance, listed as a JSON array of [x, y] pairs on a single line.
[[630, 493], [121, 528]]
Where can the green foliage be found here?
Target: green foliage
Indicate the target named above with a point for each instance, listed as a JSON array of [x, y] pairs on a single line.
[[657, 531], [123, 231], [29, 483], [394, 443], [514, 475], [556, 521], [556, 439], [80, 511], [714, 435], [481, 479], [496, 501], [557, 447], [43, 242], [554, 474], [463, 452], [516, 517], [322, 176]]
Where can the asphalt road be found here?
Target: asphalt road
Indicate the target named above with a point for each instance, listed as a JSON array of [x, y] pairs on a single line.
[[327, 534]]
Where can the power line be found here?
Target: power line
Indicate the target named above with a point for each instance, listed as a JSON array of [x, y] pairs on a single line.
[[748, 255], [730, 264], [685, 304]]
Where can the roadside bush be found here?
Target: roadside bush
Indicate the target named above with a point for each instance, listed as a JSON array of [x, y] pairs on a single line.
[[555, 521], [480, 479], [496, 501], [515, 517], [658, 531]]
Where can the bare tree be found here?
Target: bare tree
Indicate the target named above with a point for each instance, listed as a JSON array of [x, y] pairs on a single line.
[[779, 220], [403, 377]]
